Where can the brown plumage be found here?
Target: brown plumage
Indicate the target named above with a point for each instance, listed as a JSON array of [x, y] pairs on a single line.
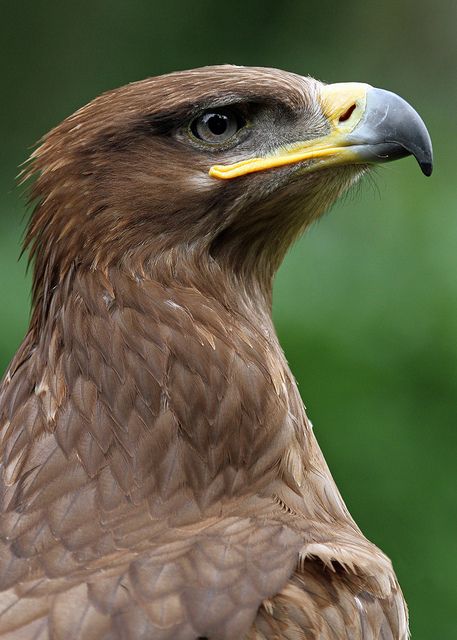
[[159, 477]]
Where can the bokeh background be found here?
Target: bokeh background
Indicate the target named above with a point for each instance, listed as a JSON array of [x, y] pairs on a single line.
[[366, 303]]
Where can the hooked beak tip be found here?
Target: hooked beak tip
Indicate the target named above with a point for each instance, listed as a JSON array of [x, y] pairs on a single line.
[[427, 168]]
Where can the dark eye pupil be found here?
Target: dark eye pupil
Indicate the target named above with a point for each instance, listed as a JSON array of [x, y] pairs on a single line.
[[217, 123]]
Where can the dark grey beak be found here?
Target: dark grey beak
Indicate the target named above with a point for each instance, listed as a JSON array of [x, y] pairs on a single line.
[[390, 129]]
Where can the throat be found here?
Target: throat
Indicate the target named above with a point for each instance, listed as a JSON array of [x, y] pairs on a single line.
[[167, 396], [177, 392]]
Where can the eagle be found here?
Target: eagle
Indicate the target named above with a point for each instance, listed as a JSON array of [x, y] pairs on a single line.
[[159, 478]]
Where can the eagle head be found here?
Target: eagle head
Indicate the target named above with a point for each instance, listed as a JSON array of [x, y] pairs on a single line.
[[222, 166]]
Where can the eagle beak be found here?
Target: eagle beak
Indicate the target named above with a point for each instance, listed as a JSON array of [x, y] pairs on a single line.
[[367, 126]]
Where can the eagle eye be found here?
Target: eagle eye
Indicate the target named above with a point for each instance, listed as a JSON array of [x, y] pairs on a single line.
[[217, 126]]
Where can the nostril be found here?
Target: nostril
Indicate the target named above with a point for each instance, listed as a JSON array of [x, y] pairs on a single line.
[[347, 114]]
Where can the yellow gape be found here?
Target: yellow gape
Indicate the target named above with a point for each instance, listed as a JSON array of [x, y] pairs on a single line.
[[343, 104]]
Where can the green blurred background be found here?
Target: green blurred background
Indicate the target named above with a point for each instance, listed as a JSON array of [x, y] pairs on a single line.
[[366, 303]]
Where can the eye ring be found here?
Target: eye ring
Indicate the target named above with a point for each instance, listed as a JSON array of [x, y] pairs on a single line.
[[216, 126]]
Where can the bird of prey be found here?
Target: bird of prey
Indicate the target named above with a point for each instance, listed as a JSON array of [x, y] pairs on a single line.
[[159, 477]]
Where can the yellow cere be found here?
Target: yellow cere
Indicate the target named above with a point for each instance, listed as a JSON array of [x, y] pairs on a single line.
[[337, 98], [343, 104]]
